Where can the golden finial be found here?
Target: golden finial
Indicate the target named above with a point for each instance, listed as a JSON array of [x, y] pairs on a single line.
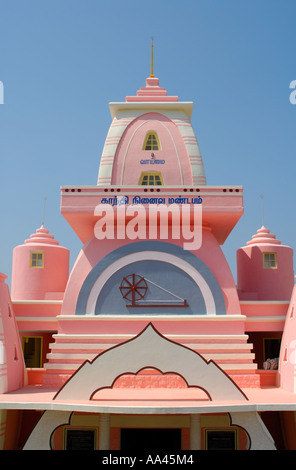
[[152, 76]]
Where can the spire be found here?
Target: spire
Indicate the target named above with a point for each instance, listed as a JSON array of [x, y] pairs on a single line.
[[43, 211], [262, 210], [152, 92], [152, 76]]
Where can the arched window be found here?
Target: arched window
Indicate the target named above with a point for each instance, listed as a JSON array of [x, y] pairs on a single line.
[[151, 141], [151, 178]]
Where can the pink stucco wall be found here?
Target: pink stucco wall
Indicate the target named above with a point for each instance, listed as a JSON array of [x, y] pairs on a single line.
[[11, 357], [288, 349]]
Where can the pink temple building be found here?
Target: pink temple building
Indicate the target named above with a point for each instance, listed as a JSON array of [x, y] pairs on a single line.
[[148, 343]]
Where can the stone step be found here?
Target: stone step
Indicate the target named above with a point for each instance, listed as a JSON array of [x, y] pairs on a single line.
[[195, 346], [119, 338], [214, 355], [71, 366], [232, 353]]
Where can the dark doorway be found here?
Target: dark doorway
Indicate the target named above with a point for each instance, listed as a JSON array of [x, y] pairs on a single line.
[[150, 440], [32, 348]]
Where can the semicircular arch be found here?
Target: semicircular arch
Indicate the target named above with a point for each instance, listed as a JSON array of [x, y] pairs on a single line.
[[160, 251]]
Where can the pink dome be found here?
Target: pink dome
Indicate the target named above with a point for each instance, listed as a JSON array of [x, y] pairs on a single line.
[[42, 235], [264, 236]]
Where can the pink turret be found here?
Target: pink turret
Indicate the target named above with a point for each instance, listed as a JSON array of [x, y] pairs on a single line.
[[40, 268], [265, 268]]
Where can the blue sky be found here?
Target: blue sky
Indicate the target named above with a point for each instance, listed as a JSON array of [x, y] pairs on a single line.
[[63, 61]]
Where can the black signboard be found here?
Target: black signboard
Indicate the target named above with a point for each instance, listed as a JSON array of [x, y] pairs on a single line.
[[80, 439], [221, 440]]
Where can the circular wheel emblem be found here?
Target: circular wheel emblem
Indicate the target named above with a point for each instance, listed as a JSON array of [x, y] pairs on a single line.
[[133, 287]]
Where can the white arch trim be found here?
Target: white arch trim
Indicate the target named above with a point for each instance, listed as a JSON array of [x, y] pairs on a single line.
[[151, 256]]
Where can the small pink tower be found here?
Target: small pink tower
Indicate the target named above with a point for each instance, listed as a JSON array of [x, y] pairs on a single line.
[[265, 268], [40, 268]]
